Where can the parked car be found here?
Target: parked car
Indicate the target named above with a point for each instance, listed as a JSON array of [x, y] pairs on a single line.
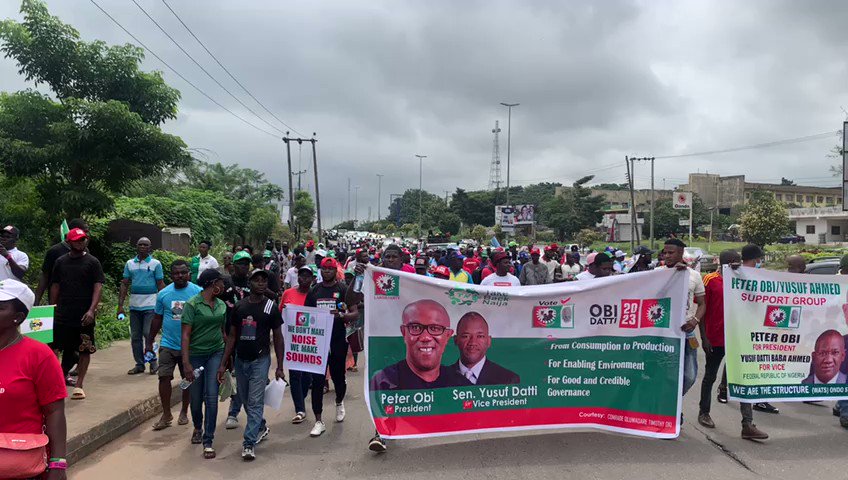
[[792, 239], [700, 260], [823, 267]]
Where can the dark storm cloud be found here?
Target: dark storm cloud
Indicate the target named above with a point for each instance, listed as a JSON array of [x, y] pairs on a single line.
[[381, 81]]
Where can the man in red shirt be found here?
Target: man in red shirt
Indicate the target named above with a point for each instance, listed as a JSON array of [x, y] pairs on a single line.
[[712, 339]]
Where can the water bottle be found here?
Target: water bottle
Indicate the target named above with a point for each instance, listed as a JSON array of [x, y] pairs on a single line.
[[151, 356], [184, 384], [357, 283]]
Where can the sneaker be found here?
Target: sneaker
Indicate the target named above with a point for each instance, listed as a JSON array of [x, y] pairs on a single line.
[[705, 420], [263, 435], [340, 412], [377, 444], [135, 370], [299, 417], [247, 454], [196, 437], [232, 422], [721, 397], [751, 432], [318, 429], [766, 407]]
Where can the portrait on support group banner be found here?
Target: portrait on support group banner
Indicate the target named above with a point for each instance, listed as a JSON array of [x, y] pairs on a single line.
[[448, 358], [786, 335]]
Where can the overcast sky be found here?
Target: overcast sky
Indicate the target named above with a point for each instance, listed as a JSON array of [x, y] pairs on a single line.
[[382, 81]]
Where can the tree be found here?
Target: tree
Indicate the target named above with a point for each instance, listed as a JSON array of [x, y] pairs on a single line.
[[479, 233], [346, 225], [304, 210], [263, 221], [765, 219], [101, 133], [574, 210], [587, 237], [235, 182]]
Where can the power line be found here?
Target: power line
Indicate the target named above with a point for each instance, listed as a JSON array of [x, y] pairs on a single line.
[[228, 72], [201, 67], [775, 143], [178, 73]]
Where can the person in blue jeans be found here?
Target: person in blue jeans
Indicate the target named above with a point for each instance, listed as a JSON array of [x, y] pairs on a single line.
[[249, 330], [143, 278], [203, 346], [300, 381]]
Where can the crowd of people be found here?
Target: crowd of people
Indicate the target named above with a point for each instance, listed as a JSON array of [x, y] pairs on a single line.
[[217, 321]]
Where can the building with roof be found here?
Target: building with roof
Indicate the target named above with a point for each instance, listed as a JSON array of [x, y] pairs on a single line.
[[733, 191], [820, 225]]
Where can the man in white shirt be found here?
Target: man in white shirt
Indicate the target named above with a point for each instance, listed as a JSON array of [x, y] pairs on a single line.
[[695, 308], [501, 277], [207, 261], [291, 275], [13, 262], [472, 339], [598, 265]]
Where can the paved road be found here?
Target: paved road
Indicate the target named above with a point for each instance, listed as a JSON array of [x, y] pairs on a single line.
[[807, 442]]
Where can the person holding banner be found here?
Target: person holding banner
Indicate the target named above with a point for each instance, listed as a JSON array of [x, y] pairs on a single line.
[[390, 259], [501, 277], [598, 265], [329, 295], [673, 250], [301, 381], [252, 322], [712, 340], [32, 397]]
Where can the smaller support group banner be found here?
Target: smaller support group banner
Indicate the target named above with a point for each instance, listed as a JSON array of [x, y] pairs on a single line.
[[447, 358], [785, 335], [307, 332], [39, 324]]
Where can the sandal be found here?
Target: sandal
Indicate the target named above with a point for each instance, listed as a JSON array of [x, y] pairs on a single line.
[[160, 425], [183, 420], [78, 394], [208, 453], [196, 437]]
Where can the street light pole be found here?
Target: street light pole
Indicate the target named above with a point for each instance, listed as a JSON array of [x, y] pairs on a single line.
[[379, 193], [420, 191], [508, 143], [355, 204]]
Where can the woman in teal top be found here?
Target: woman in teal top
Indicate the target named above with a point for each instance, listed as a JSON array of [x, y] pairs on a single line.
[[203, 346]]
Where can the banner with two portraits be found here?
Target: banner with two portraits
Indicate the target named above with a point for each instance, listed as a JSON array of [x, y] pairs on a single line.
[[448, 358], [785, 335]]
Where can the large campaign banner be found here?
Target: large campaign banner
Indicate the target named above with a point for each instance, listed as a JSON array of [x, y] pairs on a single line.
[[447, 358], [307, 332], [785, 335], [39, 324]]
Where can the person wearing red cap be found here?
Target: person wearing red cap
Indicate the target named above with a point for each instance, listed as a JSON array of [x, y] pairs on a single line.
[[330, 295], [501, 277], [442, 272], [77, 283], [534, 272], [310, 252]]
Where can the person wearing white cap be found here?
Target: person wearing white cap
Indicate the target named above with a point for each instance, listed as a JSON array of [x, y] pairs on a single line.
[[13, 262], [618, 264], [33, 386]]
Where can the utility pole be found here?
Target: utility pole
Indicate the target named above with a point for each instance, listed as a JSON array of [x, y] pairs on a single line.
[[356, 204], [446, 197], [299, 174], [508, 143], [633, 227], [291, 189], [317, 191], [653, 193], [348, 198], [379, 193], [420, 191]]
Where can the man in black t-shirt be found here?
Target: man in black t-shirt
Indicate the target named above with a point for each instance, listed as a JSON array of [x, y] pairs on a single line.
[[50, 258], [77, 282], [329, 295], [249, 335]]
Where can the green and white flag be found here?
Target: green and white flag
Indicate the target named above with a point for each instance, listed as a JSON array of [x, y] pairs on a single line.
[[39, 324]]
